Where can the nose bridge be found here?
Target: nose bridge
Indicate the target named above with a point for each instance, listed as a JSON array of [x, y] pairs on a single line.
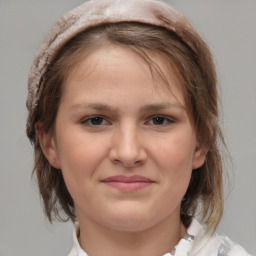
[[128, 139], [127, 145]]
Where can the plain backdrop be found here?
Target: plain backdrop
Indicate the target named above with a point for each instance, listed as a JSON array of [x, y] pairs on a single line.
[[228, 26]]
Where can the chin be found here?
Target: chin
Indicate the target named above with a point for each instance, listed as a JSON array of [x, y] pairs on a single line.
[[130, 226], [131, 221]]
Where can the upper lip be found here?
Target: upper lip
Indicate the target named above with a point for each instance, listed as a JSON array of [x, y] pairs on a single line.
[[127, 179]]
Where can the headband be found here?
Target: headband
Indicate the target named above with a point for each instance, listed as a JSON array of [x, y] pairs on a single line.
[[97, 12]]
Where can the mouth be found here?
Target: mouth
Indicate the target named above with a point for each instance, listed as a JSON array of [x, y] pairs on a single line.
[[128, 183]]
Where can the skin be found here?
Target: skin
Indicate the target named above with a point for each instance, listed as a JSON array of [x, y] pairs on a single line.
[[114, 119]]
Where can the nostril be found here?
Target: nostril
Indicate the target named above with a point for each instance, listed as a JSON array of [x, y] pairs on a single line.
[[133, 159]]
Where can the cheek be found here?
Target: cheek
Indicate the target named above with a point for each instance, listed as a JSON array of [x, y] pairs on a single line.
[[77, 148], [79, 157], [176, 152], [174, 157]]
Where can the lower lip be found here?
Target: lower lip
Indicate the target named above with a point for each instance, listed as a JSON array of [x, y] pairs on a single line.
[[129, 186]]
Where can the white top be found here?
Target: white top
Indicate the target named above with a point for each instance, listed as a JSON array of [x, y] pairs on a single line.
[[194, 244]]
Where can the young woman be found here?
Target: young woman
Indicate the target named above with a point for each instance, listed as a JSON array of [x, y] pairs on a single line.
[[123, 115]]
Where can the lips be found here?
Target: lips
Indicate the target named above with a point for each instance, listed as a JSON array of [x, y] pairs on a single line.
[[128, 183]]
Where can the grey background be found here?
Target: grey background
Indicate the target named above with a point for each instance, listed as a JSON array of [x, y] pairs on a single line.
[[229, 27]]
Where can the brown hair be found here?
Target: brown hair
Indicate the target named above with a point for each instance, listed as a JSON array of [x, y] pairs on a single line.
[[198, 79]]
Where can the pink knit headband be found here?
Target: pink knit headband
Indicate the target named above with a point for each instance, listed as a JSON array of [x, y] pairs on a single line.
[[97, 12]]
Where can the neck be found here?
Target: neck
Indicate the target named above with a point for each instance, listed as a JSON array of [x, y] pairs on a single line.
[[98, 240]]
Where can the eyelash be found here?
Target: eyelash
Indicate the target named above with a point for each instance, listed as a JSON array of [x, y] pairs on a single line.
[[90, 121], [166, 119]]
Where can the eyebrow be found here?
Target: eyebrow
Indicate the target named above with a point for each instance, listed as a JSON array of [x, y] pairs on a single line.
[[95, 106], [156, 107], [145, 108]]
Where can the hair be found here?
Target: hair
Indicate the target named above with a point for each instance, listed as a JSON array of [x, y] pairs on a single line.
[[196, 72]]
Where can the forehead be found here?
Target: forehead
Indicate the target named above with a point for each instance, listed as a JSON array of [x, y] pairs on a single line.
[[113, 65]]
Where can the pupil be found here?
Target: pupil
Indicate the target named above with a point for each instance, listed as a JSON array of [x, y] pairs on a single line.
[[158, 120], [96, 120]]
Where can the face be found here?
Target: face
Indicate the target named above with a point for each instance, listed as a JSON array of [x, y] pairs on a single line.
[[123, 141]]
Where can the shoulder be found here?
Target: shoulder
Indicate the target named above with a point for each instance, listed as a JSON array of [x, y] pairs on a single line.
[[215, 245], [229, 248]]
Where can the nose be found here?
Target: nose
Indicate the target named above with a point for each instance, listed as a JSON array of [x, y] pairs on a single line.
[[127, 147]]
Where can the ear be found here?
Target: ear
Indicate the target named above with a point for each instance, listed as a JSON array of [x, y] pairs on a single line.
[[202, 150], [199, 156], [48, 145]]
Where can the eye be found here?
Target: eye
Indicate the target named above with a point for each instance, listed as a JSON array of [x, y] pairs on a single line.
[[94, 121], [160, 120]]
